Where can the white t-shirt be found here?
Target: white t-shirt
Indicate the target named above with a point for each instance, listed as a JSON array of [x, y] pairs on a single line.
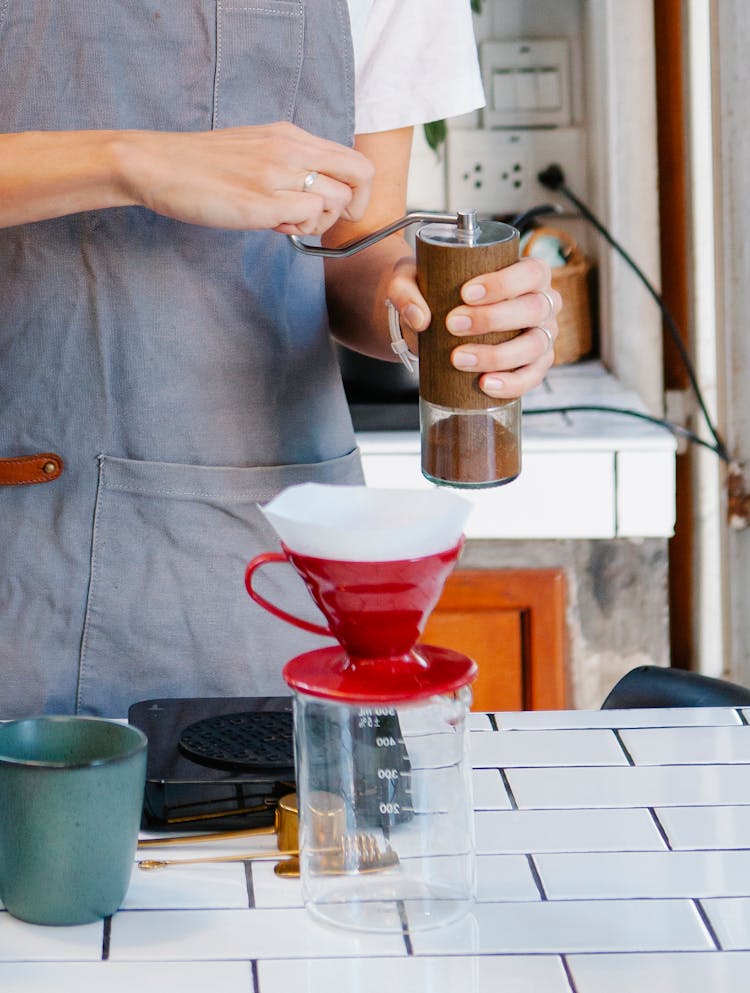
[[416, 61]]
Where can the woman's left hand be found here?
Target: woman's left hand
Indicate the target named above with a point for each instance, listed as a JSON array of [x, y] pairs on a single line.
[[519, 296]]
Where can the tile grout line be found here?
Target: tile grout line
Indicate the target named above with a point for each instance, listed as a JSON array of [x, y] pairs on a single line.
[[568, 973], [537, 878], [249, 885], [660, 827], [106, 937], [254, 974], [707, 924], [621, 743], [405, 927], [509, 791]]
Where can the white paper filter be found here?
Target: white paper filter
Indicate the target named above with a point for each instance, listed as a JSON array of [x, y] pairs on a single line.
[[360, 524]]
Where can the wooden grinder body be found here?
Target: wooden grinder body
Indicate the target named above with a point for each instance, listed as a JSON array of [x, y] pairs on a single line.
[[468, 438], [442, 269]]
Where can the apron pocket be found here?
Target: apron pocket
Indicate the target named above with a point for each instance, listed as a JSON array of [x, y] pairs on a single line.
[[259, 46], [167, 612]]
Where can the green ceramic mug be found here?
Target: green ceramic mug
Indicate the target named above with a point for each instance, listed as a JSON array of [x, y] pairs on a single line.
[[71, 794]]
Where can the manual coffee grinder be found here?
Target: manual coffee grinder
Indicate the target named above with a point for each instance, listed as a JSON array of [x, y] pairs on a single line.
[[468, 439], [383, 778]]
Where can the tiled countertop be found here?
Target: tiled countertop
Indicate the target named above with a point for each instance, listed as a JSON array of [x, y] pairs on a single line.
[[613, 856], [584, 474]]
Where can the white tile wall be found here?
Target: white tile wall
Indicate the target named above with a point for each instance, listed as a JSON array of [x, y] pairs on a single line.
[[489, 790], [655, 717], [706, 827], [485, 974], [546, 748], [731, 921], [636, 875], [236, 934], [698, 972], [566, 831], [688, 746], [642, 786], [21, 941], [186, 886], [126, 977], [505, 877], [576, 926]]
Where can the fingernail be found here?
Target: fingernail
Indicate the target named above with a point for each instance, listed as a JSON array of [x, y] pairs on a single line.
[[473, 292], [458, 323], [414, 316], [493, 383], [464, 360]]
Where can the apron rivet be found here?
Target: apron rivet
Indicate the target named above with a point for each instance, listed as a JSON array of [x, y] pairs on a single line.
[[48, 468]]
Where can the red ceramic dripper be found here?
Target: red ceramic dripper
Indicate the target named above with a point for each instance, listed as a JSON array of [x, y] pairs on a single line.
[[377, 612]]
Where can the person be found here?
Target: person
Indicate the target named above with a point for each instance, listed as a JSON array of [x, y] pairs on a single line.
[[162, 337]]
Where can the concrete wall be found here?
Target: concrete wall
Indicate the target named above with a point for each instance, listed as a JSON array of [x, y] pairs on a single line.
[[616, 603]]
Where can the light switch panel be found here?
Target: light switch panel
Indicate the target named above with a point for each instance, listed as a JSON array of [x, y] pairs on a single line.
[[526, 82]]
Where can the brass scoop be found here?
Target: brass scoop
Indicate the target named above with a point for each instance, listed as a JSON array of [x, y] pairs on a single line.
[[285, 826]]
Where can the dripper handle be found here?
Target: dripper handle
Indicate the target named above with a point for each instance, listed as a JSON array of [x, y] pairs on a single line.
[[255, 564]]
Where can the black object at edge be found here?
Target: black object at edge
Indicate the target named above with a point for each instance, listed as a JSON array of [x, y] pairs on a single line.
[[650, 686]]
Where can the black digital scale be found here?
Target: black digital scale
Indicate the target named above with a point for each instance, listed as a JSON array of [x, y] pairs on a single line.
[[215, 763], [218, 764]]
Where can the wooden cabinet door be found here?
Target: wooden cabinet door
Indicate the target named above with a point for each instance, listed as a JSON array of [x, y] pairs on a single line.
[[512, 623]]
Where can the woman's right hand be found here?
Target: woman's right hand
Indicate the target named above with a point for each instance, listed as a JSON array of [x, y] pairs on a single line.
[[244, 178]]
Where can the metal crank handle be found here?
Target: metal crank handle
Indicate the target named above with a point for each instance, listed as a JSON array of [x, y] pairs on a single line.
[[464, 219]]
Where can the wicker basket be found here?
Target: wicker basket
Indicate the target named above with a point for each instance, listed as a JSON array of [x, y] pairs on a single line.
[[571, 282]]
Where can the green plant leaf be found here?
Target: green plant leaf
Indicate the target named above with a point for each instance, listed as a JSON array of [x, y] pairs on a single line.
[[476, 6], [435, 133]]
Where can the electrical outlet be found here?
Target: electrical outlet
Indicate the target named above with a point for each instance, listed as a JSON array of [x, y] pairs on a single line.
[[495, 172]]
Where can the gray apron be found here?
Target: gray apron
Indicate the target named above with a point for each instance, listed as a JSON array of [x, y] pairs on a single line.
[[184, 374]]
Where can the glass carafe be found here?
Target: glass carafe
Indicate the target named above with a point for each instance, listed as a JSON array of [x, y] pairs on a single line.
[[386, 821]]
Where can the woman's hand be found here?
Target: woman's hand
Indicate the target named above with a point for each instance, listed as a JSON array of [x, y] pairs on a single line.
[[519, 296], [246, 177], [243, 178]]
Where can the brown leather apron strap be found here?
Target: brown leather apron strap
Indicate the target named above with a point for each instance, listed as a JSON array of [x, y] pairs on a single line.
[[30, 469]]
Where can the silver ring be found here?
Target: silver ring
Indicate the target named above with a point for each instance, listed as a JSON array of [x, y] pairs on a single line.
[[550, 303], [308, 181], [548, 334]]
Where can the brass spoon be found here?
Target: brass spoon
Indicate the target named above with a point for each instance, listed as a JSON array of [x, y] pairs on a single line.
[[161, 863], [285, 826]]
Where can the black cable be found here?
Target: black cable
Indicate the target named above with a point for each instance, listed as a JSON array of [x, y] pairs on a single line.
[[554, 179], [676, 429], [521, 221]]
